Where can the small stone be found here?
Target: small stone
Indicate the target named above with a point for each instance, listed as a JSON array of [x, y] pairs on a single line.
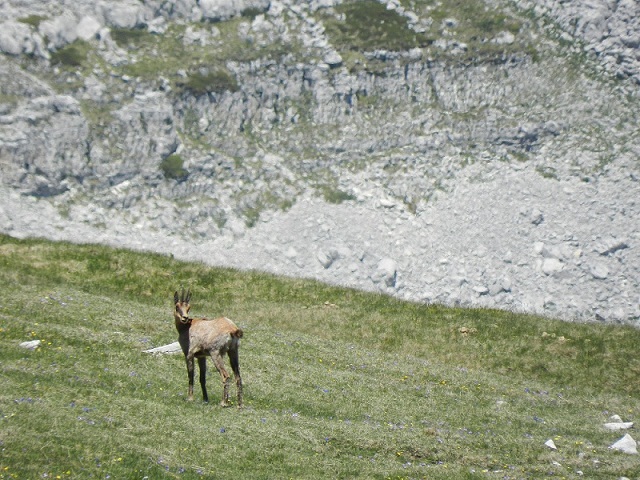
[[551, 266], [387, 203], [327, 258], [31, 345], [386, 272], [536, 217], [599, 272], [549, 443], [481, 290], [166, 349], [333, 59], [504, 38]]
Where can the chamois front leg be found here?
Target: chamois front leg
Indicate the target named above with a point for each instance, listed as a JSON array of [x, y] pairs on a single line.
[[190, 372], [225, 377], [202, 364]]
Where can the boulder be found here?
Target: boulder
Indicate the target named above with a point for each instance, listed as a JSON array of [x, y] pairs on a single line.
[[128, 14], [219, 10], [88, 28], [386, 273], [551, 266], [16, 38], [60, 31], [626, 445]]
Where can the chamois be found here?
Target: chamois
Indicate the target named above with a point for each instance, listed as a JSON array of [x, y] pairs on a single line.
[[199, 337]]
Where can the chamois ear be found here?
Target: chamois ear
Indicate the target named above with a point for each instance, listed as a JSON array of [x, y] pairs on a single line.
[[175, 297], [188, 296]]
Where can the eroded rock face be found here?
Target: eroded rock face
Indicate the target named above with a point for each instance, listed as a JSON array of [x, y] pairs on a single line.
[[43, 141], [509, 183], [610, 30]]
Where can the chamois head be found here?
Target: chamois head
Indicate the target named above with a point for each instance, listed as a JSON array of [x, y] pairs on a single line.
[[182, 307]]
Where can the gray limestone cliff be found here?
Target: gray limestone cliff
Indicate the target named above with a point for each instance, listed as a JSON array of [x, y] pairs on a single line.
[[485, 155]]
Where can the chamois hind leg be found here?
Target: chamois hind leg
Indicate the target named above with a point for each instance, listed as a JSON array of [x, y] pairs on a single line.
[[190, 373], [226, 378], [235, 366], [202, 364]]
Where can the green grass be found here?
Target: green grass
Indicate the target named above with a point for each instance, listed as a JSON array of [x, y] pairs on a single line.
[[72, 55], [164, 55], [173, 167], [367, 25], [218, 81], [33, 20], [338, 383]]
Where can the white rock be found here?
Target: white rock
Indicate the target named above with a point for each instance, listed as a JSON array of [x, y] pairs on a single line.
[[481, 290], [157, 25], [333, 59], [504, 38], [61, 30], [88, 28], [387, 203], [599, 272], [218, 9], [237, 227], [551, 266], [386, 272], [615, 423], [125, 14], [31, 345], [618, 425], [536, 217], [15, 38], [326, 258], [166, 349], [549, 443], [626, 445]]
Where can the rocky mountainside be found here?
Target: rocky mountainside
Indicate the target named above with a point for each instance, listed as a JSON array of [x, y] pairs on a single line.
[[469, 153]]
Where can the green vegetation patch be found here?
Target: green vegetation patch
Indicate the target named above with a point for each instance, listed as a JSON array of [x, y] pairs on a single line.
[[335, 195], [131, 37], [173, 167], [73, 55], [217, 81], [205, 63], [368, 25], [338, 383], [33, 20]]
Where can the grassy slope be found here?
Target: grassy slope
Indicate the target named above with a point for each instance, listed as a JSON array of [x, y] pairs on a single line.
[[360, 386]]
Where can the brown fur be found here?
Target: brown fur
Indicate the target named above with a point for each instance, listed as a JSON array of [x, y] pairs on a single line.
[[202, 337]]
